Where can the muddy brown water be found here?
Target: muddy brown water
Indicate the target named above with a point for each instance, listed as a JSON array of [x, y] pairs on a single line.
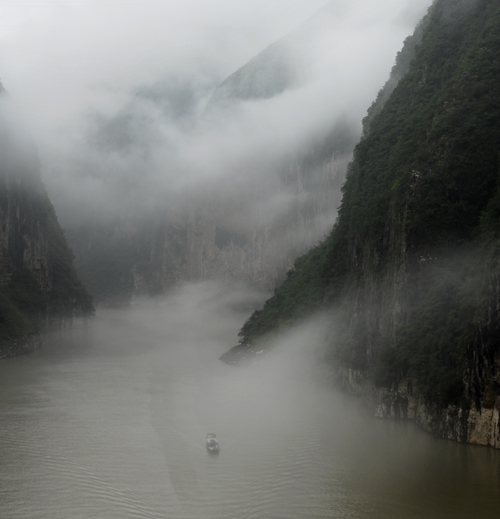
[[109, 421]]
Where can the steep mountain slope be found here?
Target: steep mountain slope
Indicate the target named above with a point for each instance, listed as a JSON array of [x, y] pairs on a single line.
[[38, 284], [247, 224], [279, 67], [271, 72], [410, 274], [234, 230]]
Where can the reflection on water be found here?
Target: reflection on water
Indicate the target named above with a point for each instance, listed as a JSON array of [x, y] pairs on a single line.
[[110, 422]]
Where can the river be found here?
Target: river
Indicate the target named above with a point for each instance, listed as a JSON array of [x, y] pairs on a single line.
[[109, 421]]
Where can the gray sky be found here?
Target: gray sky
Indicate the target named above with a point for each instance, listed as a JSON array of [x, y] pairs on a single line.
[[72, 52], [71, 66]]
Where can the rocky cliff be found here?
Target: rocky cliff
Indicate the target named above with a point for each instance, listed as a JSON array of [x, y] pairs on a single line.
[[240, 230], [38, 285], [409, 274], [247, 224], [253, 231]]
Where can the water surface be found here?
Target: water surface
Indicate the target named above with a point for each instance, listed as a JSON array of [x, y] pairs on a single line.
[[109, 421]]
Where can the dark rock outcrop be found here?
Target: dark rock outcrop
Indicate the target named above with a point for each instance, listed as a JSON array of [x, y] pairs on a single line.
[[38, 285], [247, 225], [410, 272]]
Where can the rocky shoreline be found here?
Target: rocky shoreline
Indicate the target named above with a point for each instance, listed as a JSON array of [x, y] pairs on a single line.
[[24, 344], [242, 354], [21, 345], [477, 425]]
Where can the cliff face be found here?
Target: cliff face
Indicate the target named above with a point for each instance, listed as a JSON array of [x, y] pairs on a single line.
[[477, 424], [113, 259], [38, 285], [249, 224], [239, 230], [410, 271], [236, 235]]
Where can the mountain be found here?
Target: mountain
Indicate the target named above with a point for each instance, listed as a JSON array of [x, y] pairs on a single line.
[[409, 276], [38, 284], [269, 74], [229, 232], [279, 67], [246, 225]]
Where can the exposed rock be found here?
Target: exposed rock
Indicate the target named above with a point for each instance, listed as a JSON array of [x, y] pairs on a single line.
[[38, 285], [225, 235], [480, 426], [248, 228], [21, 345], [410, 274]]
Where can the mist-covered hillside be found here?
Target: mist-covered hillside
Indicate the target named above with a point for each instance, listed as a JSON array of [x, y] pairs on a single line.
[[408, 277], [39, 287], [183, 141], [268, 74], [261, 205]]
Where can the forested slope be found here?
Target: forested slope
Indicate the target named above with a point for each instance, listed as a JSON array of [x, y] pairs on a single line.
[[38, 284], [409, 272]]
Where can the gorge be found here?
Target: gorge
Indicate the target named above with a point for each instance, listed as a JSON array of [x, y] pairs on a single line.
[[189, 198], [205, 160], [39, 288], [409, 274]]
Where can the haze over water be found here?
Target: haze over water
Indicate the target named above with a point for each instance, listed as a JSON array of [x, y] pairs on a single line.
[[109, 421]]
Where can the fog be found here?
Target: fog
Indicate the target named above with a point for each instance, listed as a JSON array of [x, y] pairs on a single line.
[[110, 421], [123, 100], [116, 92], [126, 101]]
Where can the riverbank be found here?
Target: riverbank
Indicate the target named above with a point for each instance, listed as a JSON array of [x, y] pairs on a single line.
[[28, 343], [21, 345], [476, 425]]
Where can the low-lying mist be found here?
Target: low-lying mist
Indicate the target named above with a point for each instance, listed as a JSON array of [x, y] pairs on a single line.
[[185, 333], [280, 423], [110, 421], [197, 141]]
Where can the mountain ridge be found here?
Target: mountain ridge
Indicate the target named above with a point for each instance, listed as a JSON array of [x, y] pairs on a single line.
[[215, 231], [410, 271], [39, 288]]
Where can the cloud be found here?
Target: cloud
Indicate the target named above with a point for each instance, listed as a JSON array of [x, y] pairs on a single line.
[[115, 91]]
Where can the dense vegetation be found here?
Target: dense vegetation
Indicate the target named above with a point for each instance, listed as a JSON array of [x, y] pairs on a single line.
[[25, 303], [409, 270], [38, 284]]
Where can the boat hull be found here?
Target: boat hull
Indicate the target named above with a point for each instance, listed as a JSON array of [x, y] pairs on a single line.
[[212, 444]]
